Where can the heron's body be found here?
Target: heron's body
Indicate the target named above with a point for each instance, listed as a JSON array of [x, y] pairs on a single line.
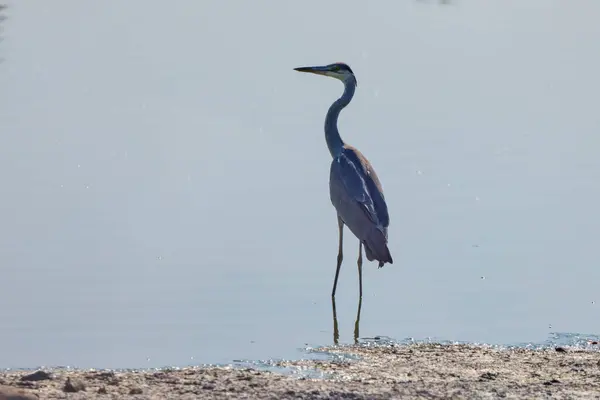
[[357, 196], [354, 188]]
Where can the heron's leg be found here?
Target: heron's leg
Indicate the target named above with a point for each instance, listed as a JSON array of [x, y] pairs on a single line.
[[340, 256], [336, 332], [359, 262], [357, 323]]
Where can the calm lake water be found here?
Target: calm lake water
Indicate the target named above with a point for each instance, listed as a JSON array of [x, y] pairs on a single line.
[[164, 176]]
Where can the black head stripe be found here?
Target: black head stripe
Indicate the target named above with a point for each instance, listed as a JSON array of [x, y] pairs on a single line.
[[344, 66]]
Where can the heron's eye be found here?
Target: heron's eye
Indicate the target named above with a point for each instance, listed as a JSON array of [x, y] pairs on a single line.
[[335, 68]]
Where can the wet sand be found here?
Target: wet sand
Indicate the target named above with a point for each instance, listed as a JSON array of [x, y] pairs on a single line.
[[378, 372]]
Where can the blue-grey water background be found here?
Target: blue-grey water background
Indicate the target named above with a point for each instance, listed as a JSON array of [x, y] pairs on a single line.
[[164, 176]]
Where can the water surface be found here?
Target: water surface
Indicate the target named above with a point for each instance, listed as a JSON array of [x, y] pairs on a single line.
[[164, 176]]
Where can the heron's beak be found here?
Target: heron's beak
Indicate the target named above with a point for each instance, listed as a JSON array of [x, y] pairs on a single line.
[[313, 70]]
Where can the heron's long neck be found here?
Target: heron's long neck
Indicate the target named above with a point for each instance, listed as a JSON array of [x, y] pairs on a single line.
[[332, 135]]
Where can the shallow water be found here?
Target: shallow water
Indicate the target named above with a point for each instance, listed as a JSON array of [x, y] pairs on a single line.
[[164, 177]]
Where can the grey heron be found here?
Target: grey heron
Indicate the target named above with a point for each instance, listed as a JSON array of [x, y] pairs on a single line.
[[354, 188]]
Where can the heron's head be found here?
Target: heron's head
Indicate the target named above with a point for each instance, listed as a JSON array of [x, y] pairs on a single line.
[[339, 71]]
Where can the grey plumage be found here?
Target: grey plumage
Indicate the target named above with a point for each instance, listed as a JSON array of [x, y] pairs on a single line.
[[354, 187], [356, 194]]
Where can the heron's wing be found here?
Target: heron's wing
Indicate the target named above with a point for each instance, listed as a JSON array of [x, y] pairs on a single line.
[[348, 184], [372, 183]]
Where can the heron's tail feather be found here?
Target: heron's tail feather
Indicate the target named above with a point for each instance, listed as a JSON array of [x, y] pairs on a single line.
[[376, 247]]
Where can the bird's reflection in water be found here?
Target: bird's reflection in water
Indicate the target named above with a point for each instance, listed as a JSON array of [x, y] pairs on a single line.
[[336, 331]]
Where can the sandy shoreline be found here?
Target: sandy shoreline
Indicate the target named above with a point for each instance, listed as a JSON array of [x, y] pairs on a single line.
[[379, 372]]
